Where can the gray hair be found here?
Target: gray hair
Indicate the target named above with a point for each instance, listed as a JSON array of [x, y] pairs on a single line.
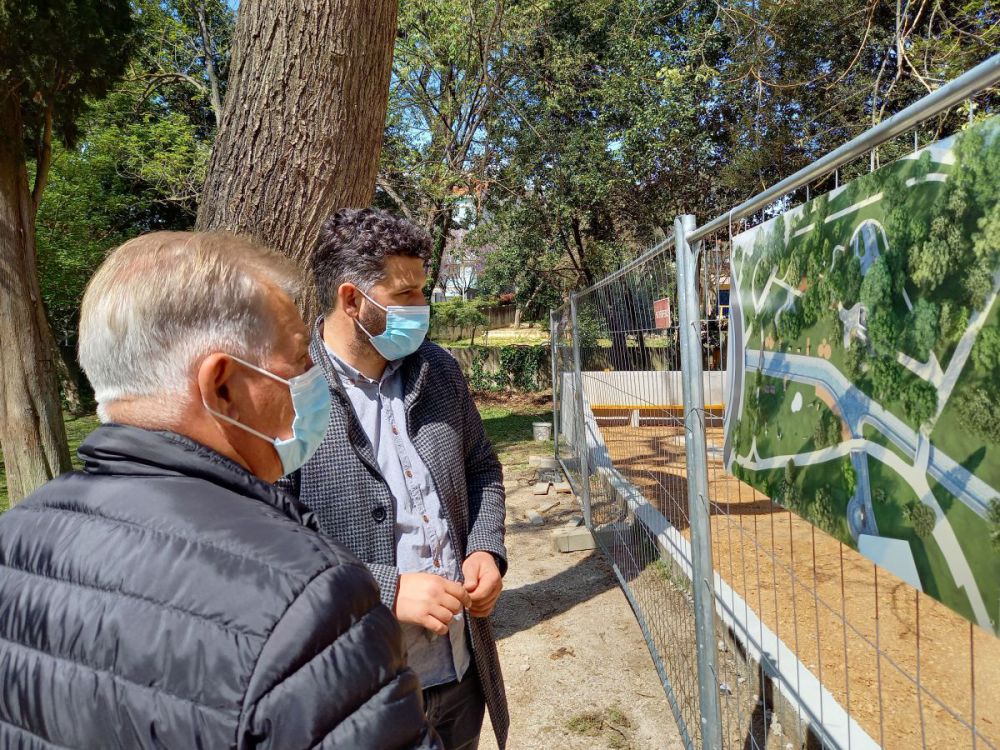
[[162, 301], [353, 245]]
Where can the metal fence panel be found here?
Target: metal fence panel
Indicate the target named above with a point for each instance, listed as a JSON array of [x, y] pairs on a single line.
[[803, 642]]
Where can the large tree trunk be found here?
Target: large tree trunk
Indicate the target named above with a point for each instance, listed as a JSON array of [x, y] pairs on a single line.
[[303, 119], [32, 434]]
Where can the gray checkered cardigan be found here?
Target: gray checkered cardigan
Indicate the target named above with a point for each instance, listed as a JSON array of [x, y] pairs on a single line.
[[342, 485]]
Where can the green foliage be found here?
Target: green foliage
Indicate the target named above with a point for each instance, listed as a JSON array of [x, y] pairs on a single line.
[[459, 314], [827, 431], [790, 324], [854, 359], [993, 517], [887, 379], [876, 289], [962, 247], [953, 321], [140, 159], [922, 518], [520, 368], [845, 279], [981, 411], [790, 472], [56, 55], [919, 401], [821, 510], [882, 332], [923, 327], [850, 477], [986, 352]]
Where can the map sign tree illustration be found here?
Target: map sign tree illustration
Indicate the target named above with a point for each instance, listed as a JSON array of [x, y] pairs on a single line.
[[864, 387]]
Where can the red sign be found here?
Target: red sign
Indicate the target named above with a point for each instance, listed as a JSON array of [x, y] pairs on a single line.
[[661, 311]]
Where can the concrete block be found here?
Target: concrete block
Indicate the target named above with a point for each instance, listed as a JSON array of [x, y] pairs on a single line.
[[535, 518], [541, 488], [563, 488], [549, 475], [572, 539]]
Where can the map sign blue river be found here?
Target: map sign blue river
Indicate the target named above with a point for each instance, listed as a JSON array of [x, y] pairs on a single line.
[[864, 380]]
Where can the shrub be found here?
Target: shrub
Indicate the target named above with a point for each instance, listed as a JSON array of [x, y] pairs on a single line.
[[923, 519]]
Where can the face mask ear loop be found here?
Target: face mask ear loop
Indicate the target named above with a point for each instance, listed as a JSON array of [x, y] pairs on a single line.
[[261, 370], [359, 324], [380, 307], [230, 420], [224, 418], [357, 320]]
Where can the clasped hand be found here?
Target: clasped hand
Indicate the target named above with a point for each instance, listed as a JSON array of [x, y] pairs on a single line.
[[431, 601]]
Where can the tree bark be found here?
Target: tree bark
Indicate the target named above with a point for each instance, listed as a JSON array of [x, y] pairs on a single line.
[[32, 434], [303, 119], [69, 375], [440, 228]]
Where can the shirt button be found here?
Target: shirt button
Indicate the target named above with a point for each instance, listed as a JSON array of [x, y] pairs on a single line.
[[409, 474], [378, 513], [395, 431], [426, 518], [437, 563]]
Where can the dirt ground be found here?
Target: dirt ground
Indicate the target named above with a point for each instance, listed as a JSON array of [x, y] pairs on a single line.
[[869, 638], [577, 669]]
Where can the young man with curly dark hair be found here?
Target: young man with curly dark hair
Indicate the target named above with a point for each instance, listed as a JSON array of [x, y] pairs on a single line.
[[406, 477]]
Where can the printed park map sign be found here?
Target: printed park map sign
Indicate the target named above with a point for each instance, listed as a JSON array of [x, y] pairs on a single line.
[[864, 382]]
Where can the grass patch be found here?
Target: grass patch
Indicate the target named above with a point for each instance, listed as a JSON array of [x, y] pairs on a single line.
[[808, 481], [935, 575], [525, 337], [974, 538], [611, 725], [786, 433], [77, 428], [509, 429], [952, 435]]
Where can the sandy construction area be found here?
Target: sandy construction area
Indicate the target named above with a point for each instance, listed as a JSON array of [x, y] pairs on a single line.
[[910, 671]]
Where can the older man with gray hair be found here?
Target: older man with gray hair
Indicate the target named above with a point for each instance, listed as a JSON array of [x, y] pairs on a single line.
[[168, 595]]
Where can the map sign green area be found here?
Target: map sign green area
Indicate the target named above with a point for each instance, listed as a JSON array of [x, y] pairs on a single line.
[[864, 367]]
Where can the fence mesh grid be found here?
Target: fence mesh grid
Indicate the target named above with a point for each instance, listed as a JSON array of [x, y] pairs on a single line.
[[815, 645]]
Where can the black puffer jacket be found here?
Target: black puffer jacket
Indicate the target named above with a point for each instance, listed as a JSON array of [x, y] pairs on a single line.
[[164, 597]]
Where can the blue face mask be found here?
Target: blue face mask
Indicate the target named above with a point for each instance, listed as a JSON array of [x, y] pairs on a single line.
[[311, 401], [405, 329]]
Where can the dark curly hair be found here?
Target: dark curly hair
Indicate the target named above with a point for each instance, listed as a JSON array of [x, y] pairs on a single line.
[[353, 245]]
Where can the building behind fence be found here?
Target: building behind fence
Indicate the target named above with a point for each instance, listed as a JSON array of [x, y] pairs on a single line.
[[766, 632]]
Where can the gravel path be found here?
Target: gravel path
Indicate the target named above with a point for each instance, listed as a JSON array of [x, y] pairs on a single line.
[[577, 669]]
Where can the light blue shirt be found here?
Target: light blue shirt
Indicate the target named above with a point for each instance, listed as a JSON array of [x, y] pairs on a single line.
[[423, 542]]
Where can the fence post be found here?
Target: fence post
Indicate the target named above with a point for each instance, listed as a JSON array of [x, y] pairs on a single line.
[[702, 577], [582, 446], [556, 391]]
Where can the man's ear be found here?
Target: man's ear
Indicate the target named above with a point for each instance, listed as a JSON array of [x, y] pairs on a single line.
[[215, 375], [349, 298]]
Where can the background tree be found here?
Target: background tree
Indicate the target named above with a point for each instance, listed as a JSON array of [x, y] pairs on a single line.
[[922, 518], [924, 322], [138, 163], [303, 119], [451, 68], [47, 70], [986, 352]]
